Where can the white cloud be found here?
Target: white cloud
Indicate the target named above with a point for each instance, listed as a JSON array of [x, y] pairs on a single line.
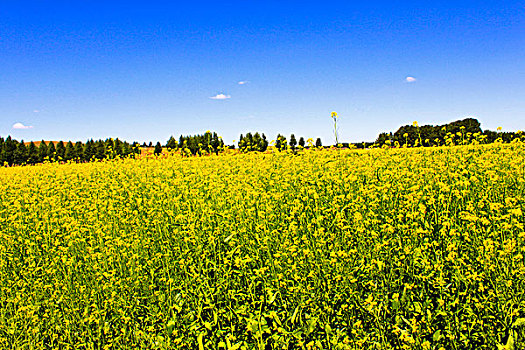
[[36, 111], [220, 97], [410, 79], [21, 126], [243, 82]]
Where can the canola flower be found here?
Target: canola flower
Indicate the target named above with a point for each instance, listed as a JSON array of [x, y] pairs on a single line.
[[379, 249]]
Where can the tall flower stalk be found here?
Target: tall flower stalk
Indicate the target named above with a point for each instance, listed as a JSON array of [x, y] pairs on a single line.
[[334, 117]]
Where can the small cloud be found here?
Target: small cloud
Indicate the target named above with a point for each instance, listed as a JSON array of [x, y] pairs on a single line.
[[36, 111], [410, 79], [243, 82], [220, 97], [21, 126]]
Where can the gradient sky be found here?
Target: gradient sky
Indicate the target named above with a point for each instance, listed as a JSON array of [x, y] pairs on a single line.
[[143, 71]]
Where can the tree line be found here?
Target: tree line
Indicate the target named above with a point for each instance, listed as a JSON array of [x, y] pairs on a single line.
[[458, 132], [212, 143], [194, 144], [13, 152], [258, 142]]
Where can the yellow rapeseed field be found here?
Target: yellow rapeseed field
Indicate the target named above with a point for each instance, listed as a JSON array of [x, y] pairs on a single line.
[[418, 248]]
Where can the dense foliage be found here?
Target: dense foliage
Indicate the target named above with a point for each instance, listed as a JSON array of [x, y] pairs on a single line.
[[253, 142], [13, 152], [197, 144], [464, 131], [386, 248]]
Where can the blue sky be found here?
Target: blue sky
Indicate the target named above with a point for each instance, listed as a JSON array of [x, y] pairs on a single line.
[[147, 70]]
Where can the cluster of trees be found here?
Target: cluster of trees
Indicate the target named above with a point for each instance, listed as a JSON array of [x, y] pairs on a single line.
[[255, 142], [459, 131], [195, 144], [259, 143], [13, 152]]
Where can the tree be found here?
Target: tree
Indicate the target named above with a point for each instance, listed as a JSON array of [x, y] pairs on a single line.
[[248, 141], [117, 147], [215, 143], [301, 142], [263, 146], [32, 154], [100, 150], [318, 142], [110, 148], [292, 142], [3, 155], [20, 153], [42, 151], [89, 150], [79, 151], [171, 144], [126, 149], [383, 138], [69, 154], [61, 151], [278, 142], [158, 149], [51, 151], [10, 147], [241, 144]]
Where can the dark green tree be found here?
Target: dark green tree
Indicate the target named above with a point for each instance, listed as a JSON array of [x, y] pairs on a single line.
[[117, 147], [171, 144], [32, 154], [69, 154], [216, 143], [383, 137], [51, 151], [241, 144], [126, 149], [10, 146], [109, 144], [3, 156], [20, 153], [301, 141], [42, 151], [89, 150], [61, 150], [100, 150], [318, 142], [292, 142], [263, 145], [79, 151], [278, 142], [256, 142], [158, 149]]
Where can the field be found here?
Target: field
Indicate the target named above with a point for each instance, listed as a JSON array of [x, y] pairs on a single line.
[[333, 249]]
